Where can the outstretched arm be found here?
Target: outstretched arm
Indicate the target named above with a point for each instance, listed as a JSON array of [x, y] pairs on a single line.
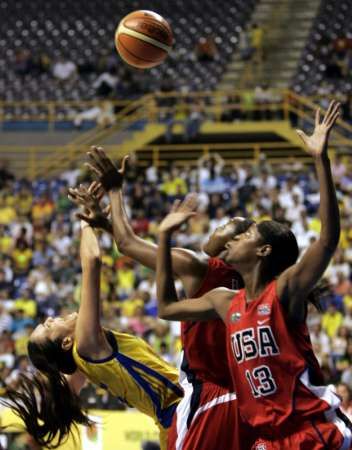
[[212, 305], [186, 264], [297, 281], [89, 335]]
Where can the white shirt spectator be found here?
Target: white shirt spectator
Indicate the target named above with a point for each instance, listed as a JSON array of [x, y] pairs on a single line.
[[5, 320], [106, 77], [71, 176], [62, 244], [151, 174], [64, 69]]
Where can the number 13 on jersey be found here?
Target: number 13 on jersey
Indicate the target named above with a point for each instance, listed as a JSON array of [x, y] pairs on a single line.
[[261, 381]]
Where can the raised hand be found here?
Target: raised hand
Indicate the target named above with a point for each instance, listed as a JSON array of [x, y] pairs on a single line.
[[89, 199], [101, 165], [180, 213], [316, 144]]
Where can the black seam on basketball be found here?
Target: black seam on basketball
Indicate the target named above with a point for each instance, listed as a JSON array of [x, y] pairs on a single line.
[[166, 29], [138, 57]]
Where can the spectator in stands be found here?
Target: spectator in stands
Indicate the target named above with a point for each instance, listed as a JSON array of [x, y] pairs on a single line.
[[22, 259], [177, 117], [338, 168], [209, 168], [339, 344], [231, 110], [106, 83], [6, 319], [256, 39], [345, 366], [344, 392], [103, 114], [71, 175], [332, 320], [23, 63], [265, 100], [173, 185], [64, 70], [244, 45], [6, 175], [206, 49], [320, 342], [194, 120]]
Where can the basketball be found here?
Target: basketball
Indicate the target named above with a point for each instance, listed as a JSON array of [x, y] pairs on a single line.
[[143, 39]]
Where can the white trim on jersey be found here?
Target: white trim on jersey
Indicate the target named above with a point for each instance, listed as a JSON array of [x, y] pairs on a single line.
[[326, 393], [216, 401], [184, 407]]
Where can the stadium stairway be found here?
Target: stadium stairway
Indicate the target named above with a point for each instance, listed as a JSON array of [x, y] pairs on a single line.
[[289, 22]]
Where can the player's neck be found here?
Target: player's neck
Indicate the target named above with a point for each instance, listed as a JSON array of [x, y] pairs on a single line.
[[254, 283]]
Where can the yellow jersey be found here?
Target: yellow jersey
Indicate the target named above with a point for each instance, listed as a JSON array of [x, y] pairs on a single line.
[[137, 376]]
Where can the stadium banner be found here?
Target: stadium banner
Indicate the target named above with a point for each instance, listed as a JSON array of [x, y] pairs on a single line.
[[120, 430]]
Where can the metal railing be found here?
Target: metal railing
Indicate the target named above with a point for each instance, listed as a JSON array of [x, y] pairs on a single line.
[[45, 160]]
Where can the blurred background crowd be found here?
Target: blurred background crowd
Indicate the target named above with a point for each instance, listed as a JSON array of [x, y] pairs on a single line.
[[40, 266]]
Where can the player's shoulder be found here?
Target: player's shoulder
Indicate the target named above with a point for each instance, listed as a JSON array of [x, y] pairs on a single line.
[[223, 293], [191, 256]]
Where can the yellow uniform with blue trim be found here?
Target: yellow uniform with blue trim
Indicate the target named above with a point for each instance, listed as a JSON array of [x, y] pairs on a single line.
[[138, 376]]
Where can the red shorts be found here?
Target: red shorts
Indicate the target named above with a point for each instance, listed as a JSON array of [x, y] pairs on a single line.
[[312, 435], [207, 418]]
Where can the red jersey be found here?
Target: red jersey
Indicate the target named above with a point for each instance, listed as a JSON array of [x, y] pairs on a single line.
[[275, 372], [204, 343]]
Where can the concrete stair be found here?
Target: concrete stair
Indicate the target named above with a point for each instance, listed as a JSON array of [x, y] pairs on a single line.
[[286, 25]]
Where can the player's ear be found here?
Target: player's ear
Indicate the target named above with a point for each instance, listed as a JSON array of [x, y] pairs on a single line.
[[264, 250], [67, 343]]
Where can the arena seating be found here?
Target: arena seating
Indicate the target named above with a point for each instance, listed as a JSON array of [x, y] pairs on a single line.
[[321, 60], [84, 33]]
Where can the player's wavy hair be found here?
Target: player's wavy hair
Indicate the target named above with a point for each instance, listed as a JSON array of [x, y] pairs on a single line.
[[44, 401], [284, 253]]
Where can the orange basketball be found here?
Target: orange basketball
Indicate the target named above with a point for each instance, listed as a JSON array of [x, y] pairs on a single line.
[[143, 39]]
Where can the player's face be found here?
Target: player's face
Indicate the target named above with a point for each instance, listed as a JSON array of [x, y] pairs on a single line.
[[217, 240], [54, 328], [243, 247]]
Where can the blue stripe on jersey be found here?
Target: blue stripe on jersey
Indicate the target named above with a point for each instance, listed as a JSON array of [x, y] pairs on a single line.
[[164, 415]]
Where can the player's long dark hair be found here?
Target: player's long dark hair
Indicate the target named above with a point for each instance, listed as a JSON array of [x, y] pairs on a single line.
[[44, 401], [284, 253], [284, 247]]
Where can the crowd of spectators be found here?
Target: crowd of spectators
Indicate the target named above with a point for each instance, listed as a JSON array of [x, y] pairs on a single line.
[[40, 266]]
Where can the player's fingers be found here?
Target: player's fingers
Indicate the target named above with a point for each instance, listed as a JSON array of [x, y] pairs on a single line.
[[74, 200], [302, 135], [330, 108], [84, 217], [94, 169], [175, 206], [95, 158], [103, 158], [317, 117], [75, 193], [333, 120], [123, 164], [190, 203], [93, 187], [335, 110], [99, 195], [107, 210]]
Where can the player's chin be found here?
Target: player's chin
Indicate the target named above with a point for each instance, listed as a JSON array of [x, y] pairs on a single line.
[[223, 255], [207, 249]]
